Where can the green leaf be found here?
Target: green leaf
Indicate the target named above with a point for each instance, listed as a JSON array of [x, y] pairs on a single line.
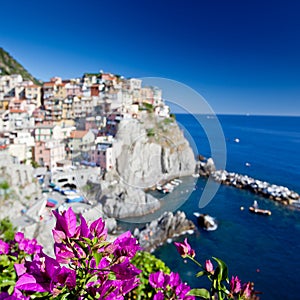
[[92, 279], [87, 240], [11, 289], [201, 273], [97, 257], [65, 296], [112, 276], [223, 270], [7, 282], [203, 293]]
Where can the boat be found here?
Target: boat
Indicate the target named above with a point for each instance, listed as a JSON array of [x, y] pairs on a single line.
[[177, 180], [206, 221], [74, 199], [174, 182], [166, 188], [260, 211], [51, 202]]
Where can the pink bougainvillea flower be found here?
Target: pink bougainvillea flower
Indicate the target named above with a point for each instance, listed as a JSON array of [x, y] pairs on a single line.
[[185, 249], [30, 246], [4, 247], [98, 229], [66, 277], [28, 282], [126, 245], [174, 279], [247, 290], [209, 266], [63, 253], [58, 236], [66, 222], [128, 285], [235, 285], [159, 296], [157, 279], [39, 276], [19, 236], [83, 230], [181, 291], [20, 269], [16, 295], [125, 270], [110, 290]]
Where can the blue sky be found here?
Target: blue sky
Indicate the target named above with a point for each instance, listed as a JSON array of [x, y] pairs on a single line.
[[241, 56]]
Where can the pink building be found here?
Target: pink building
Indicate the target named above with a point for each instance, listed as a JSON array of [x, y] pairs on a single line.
[[102, 156], [48, 153]]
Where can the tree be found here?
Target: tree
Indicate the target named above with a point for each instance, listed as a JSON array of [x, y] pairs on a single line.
[[7, 230], [5, 187]]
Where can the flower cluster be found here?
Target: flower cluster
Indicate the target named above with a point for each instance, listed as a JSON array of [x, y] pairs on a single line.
[[86, 266], [239, 291], [13, 254], [169, 286], [218, 277]]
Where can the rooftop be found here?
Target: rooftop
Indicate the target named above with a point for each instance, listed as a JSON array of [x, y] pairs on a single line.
[[78, 134]]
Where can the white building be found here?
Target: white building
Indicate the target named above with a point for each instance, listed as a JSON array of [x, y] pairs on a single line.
[[134, 84], [48, 132], [19, 119]]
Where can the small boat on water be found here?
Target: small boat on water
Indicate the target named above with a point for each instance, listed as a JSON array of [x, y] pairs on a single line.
[[207, 222], [169, 186], [260, 211]]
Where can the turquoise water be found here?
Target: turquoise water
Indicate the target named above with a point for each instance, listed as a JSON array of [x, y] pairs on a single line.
[[265, 250]]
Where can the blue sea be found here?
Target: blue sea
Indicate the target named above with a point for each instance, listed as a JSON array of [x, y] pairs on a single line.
[[265, 250]]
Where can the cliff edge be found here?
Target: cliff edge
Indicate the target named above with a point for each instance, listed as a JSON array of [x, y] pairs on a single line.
[[147, 151]]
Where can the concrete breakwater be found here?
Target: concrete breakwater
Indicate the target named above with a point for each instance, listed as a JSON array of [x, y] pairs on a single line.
[[277, 193]]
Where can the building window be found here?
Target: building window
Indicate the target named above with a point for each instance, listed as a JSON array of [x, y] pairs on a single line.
[[41, 151]]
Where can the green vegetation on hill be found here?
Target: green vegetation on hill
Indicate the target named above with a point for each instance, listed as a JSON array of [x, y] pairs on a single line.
[[7, 230], [9, 66]]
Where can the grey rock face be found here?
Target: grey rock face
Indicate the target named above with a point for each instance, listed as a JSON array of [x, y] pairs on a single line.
[[23, 188], [148, 151], [206, 168], [158, 231], [125, 201]]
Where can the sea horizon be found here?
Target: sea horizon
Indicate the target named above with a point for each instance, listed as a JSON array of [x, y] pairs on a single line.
[[236, 114]]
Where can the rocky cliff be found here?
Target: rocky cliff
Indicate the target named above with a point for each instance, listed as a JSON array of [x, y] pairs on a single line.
[[21, 187], [147, 151], [169, 225], [150, 150]]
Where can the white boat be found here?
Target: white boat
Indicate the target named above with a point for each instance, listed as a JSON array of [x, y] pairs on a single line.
[[177, 180], [174, 182]]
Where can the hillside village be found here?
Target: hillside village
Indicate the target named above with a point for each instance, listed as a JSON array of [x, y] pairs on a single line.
[[67, 121], [95, 143]]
